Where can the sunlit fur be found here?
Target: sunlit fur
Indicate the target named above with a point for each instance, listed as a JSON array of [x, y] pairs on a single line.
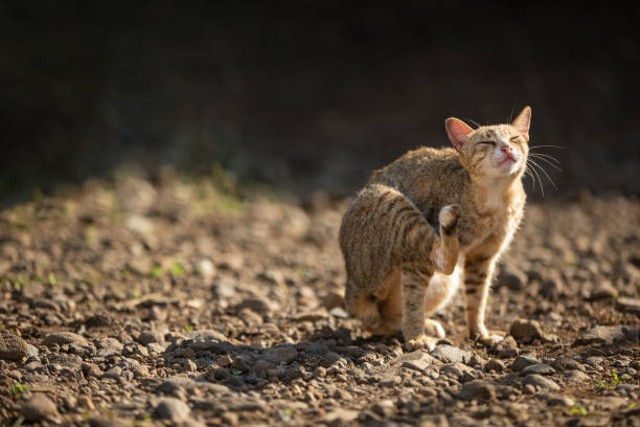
[[402, 262]]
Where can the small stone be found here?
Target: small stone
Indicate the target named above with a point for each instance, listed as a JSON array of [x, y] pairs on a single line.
[[602, 291], [507, 348], [91, 370], [459, 371], [259, 306], [552, 288], [172, 409], [339, 312], [538, 368], [12, 347], [450, 354], [566, 364], [149, 337], [608, 335], [628, 305], [62, 338], [494, 365], [39, 408], [434, 421], [206, 268], [484, 391], [527, 331], [558, 399], [522, 362], [85, 402], [101, 421], [512, 278], [340, 417], [541, 382], [417, 360], [577, 377], [332, 300], [108, 347], [330, 358], [281, 354]]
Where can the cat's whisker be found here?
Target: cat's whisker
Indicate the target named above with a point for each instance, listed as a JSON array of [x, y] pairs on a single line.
[[553, 165], [544, 172], [527, 172], [535, 172], [548, 156]]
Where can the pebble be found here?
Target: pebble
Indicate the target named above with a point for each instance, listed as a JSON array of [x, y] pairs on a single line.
[[512, 278], [149, 337], [450, 354], [172, 409], [628, 305], [558, 399], [417, 360], [62, 338], [259, 306], [281, 354], [39, 408], [108, 347], [101, 421], [507, 348], [330, 358], [459, 371], [522, 362], [541, 382], [526, 331], [538, 368], [494, 365], [608, 335], [603, 290], [566, 363], [340, 417], [12, 347], [484, 391]]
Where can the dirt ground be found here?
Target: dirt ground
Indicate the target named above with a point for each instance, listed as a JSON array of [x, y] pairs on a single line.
[[131, 302]]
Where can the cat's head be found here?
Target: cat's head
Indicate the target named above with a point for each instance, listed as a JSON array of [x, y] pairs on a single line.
[[497, 151]]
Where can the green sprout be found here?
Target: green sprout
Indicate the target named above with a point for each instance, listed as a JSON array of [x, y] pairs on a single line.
[[156, 272], [18, 389], [578, 410], [177, 269], [187, 329], [616, 378]]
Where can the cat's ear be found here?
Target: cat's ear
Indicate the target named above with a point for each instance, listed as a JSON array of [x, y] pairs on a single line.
[[523, 121], [457, 131]]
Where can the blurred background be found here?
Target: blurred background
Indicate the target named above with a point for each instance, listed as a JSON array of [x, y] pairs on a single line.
[[309, 95]]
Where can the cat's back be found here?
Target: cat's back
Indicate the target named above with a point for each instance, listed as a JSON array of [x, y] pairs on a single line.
[[425, 167]]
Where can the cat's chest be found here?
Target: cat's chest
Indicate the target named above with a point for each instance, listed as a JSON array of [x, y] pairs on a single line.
[[478, 226]]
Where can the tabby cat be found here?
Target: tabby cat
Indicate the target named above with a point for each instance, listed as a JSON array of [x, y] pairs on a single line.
[[429, 220]]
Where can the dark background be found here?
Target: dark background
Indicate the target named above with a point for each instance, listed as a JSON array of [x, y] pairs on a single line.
[[309, 95]]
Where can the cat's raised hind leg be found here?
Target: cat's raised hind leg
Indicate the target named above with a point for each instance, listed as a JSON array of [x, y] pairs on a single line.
[[445, 250]]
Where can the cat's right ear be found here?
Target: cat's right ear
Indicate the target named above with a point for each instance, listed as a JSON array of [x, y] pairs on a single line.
[[457, 131]]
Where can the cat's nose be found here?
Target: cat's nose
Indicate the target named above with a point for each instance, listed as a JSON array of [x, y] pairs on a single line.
[[506, 149]]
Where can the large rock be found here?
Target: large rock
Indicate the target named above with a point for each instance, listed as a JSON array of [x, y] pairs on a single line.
[[451, 354], [608, 335], [527, 331], [12, 347], [172, 409], [39, 408]]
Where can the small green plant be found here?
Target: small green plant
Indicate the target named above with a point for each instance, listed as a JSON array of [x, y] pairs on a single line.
[[177, 269], [156, 272], [187, 329], [616, 378], [18, 389], [602, 385], [578, 409], [52, 279]]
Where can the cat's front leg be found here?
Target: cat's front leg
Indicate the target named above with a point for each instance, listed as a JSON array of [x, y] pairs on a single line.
[[478, 272]]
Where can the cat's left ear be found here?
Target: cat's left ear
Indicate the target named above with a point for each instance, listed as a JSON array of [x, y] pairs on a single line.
[[457, 131], [523, 121]]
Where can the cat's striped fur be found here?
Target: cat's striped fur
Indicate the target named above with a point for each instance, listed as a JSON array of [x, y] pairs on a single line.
[[430, 219]]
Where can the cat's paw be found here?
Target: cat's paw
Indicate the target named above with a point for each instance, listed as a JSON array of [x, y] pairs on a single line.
[[421, 342], [448, 218], [490, 340], [433, 328]]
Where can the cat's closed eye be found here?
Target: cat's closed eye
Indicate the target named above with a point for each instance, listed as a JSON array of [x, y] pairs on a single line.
[[490, 143]]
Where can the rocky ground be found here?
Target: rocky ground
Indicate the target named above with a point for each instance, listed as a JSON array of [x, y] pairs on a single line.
[[169, 303]]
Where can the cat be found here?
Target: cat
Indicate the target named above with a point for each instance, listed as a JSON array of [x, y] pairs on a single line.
[[427, 222]]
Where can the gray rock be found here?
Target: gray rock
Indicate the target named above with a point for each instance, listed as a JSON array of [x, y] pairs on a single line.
[[603, 290], [100, 421], [256, 305], [512, 278], [522, 362], [494, 365], [628, 305], [62, 338], [567, 364], [281, 354], [527, 331], [558, 399], [39, 408], [538, 368], [484, 391], [109, 347], [450, 354], [417, 360], [12, 347], [577, 377], [460, 371], [172, 409], [507, 348], [149, 337], [540, 382], [340, 417], [330, 358], [608, 335]]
